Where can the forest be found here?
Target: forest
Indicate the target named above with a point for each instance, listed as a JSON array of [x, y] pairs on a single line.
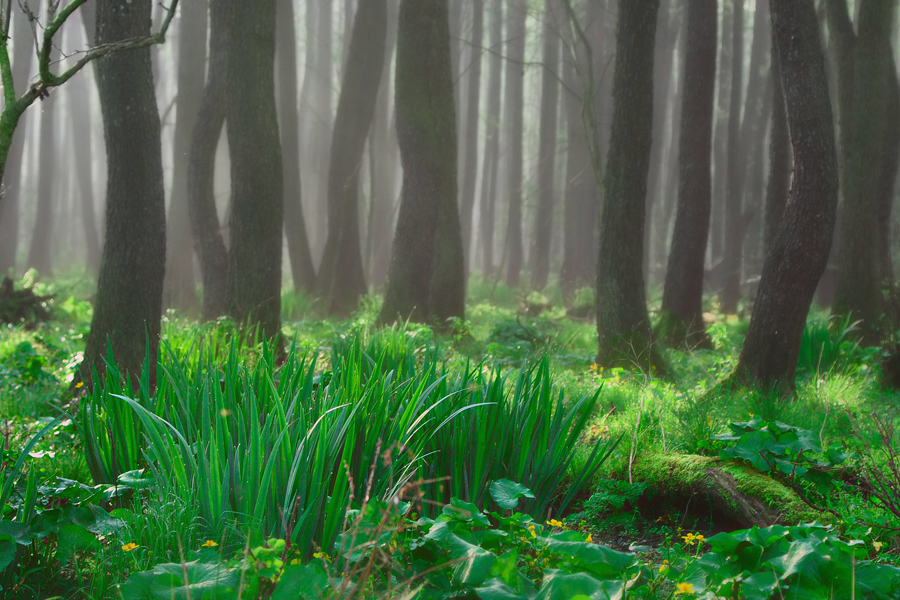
[[449, 299]]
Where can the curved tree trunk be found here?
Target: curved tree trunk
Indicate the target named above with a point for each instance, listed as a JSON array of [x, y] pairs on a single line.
[[491, 168], [622, 321], [423, 257], [779, 163], [204, 217], [179, 290], [800, 249], [341, 281], [302, 270], [257, 211], [129, 292], [515, 107], [682, 318], [473, 112]]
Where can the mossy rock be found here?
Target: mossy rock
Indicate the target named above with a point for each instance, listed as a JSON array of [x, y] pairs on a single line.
[[737, 491]]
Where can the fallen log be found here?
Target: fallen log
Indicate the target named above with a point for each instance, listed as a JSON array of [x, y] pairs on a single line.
[[22, 307]]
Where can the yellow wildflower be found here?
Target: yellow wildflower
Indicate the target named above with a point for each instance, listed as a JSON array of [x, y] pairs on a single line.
[[79, 385], [664, 569], [209, 544], [129, 547], [684, 588], [877, 546], [589, 539]]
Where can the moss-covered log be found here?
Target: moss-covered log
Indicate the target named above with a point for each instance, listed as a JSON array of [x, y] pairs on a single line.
[[737, 492]]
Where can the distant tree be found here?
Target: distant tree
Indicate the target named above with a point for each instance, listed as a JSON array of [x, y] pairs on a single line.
[[257, 213], [471, 128], [490, 171], [129, 290], [515, 109], [681, 321], [341, 280], [890, 161], [623, 324], [426, 281], [724, 81], [799, 252], [323, 111]]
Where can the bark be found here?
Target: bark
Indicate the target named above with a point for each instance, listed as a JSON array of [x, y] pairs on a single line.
[[843, 44], [427, 277], [890, 160], [515, 107], [622, 321], [473, 111], [799, 252], [491, 168], [341, 281], [734, 207], [720, 143], [779, 164], [205, 224], [543, 222], [858, 290], [302, 271], [257, 210], [128, 308], [179, 289], [12, 182], [682, 306]]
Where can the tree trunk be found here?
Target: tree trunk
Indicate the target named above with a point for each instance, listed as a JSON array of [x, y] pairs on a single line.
[[890, 160], [720, 143], [622, 321], [82, 151], [779, 163], [426, 131], [302, 270], [341, 281], [257, 209], [205, 223], [858, 289], [682, 318], [491, 168], [324, 120], [473, 112], [799, 252], [543, 222], [515, 107], [179, 290], [128, 308]]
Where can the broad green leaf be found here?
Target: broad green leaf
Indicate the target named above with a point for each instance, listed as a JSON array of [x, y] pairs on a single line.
[[471, 565], [309, 582], [139, 479], [465, 511], [507, 493], [506, 567], [497, 589], [599, 560], [193, 580], [7, 551], [74, 538], [563, 586]]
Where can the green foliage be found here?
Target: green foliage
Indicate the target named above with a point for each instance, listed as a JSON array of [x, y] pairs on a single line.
[[828, 344]]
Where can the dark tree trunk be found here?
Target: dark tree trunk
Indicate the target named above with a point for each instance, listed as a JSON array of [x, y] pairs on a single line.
[[302, 270], [341, 281], [800, 249], [858, 289], [491, 168], [13, 176], [515, 108], [622, 321], [129, 292], [205, 224], [257, 209], [179, 290], [734, 206], [779, 163], [384, 162], [473, 111], [720, 142], [543, 222], [890, 160], [41, 251], [682, 318], [427, 277]]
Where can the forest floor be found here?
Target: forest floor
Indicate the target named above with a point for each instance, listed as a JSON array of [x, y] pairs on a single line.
[[495, 460]]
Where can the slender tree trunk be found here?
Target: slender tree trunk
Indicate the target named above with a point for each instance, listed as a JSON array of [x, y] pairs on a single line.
[[420, 285], [515, 107], [12, 183], [491, 168], [858, 281], [82, 152], [682, 319], [622, 321], [341, 280], [473, 110], [324, 119], [779, 163], [257, 209], [543, 223], [799, 252], [179, 289], [302, 271], [207, 229], [720, 141], [128, 308], [890, 160]]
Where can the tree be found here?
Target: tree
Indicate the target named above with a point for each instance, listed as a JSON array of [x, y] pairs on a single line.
[[341, 280], [302, 270], [473, 111], [426, 281], [622, 321], [129, 290], [799, 251], [179, 284], [890, 160], [257, 214], [543, 222], [682, 308], [779, 164], [491, 168], [515, 108]]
